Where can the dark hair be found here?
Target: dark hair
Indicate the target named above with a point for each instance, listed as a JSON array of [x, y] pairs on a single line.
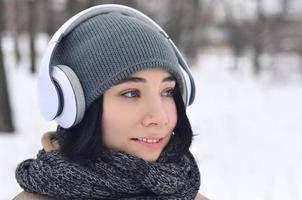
[[84, 142], [183, 130]]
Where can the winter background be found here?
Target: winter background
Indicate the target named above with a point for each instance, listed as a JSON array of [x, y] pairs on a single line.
[[248, 141]]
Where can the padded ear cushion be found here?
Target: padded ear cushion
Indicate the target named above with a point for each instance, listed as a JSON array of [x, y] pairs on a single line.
[[72, 100]]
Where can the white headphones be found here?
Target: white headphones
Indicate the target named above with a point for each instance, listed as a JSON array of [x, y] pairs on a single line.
[[60, 93]]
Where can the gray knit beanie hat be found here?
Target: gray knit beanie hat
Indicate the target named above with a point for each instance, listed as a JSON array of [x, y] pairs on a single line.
[[107, 48]]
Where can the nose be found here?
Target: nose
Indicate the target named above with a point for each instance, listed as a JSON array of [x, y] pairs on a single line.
[[155, 113]]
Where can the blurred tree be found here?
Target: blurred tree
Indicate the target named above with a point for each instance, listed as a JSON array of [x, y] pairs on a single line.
[[6, 123], [32, 34], [184, 22], [192, 35], [237, 34], [13, 17], [73, 7], [48, 17], [300, 53], [258, 36], [284, 9]]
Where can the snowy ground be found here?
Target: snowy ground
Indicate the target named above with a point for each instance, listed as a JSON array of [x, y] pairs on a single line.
[[248, 143]]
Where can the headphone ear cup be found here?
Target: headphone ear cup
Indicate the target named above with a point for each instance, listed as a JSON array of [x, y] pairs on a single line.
[[72, 99]]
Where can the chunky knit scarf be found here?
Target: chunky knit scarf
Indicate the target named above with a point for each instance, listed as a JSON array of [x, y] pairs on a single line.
[[115, 175]]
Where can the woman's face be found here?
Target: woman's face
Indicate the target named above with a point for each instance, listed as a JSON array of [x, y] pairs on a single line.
[[139, 114]]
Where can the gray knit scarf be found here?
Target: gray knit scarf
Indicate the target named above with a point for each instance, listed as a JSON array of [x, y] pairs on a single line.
[[115, 175]]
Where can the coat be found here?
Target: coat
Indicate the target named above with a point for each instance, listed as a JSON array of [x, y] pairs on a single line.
[[30, 196]]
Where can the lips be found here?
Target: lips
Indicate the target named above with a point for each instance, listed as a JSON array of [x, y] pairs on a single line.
[[149, 141]]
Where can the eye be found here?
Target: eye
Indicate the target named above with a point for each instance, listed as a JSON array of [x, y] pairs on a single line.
[[169, 92], [131, 94]]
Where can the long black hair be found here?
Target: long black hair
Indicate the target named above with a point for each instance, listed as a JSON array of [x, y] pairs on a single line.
[[84, 142]]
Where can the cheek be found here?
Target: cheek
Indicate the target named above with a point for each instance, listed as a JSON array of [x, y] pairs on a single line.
[[116, 122]]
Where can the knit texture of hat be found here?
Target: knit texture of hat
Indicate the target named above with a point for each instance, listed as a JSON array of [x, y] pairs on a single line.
[[107, 48]]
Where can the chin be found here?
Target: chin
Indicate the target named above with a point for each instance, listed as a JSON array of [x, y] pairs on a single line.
[[149, 158]]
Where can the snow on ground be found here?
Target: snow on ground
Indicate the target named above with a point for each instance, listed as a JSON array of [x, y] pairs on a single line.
[[248, 143]]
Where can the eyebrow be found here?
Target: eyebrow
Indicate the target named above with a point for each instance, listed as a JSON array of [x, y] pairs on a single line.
[[142, 80]]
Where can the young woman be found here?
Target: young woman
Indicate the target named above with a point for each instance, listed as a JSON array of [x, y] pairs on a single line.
[[128, 136]]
